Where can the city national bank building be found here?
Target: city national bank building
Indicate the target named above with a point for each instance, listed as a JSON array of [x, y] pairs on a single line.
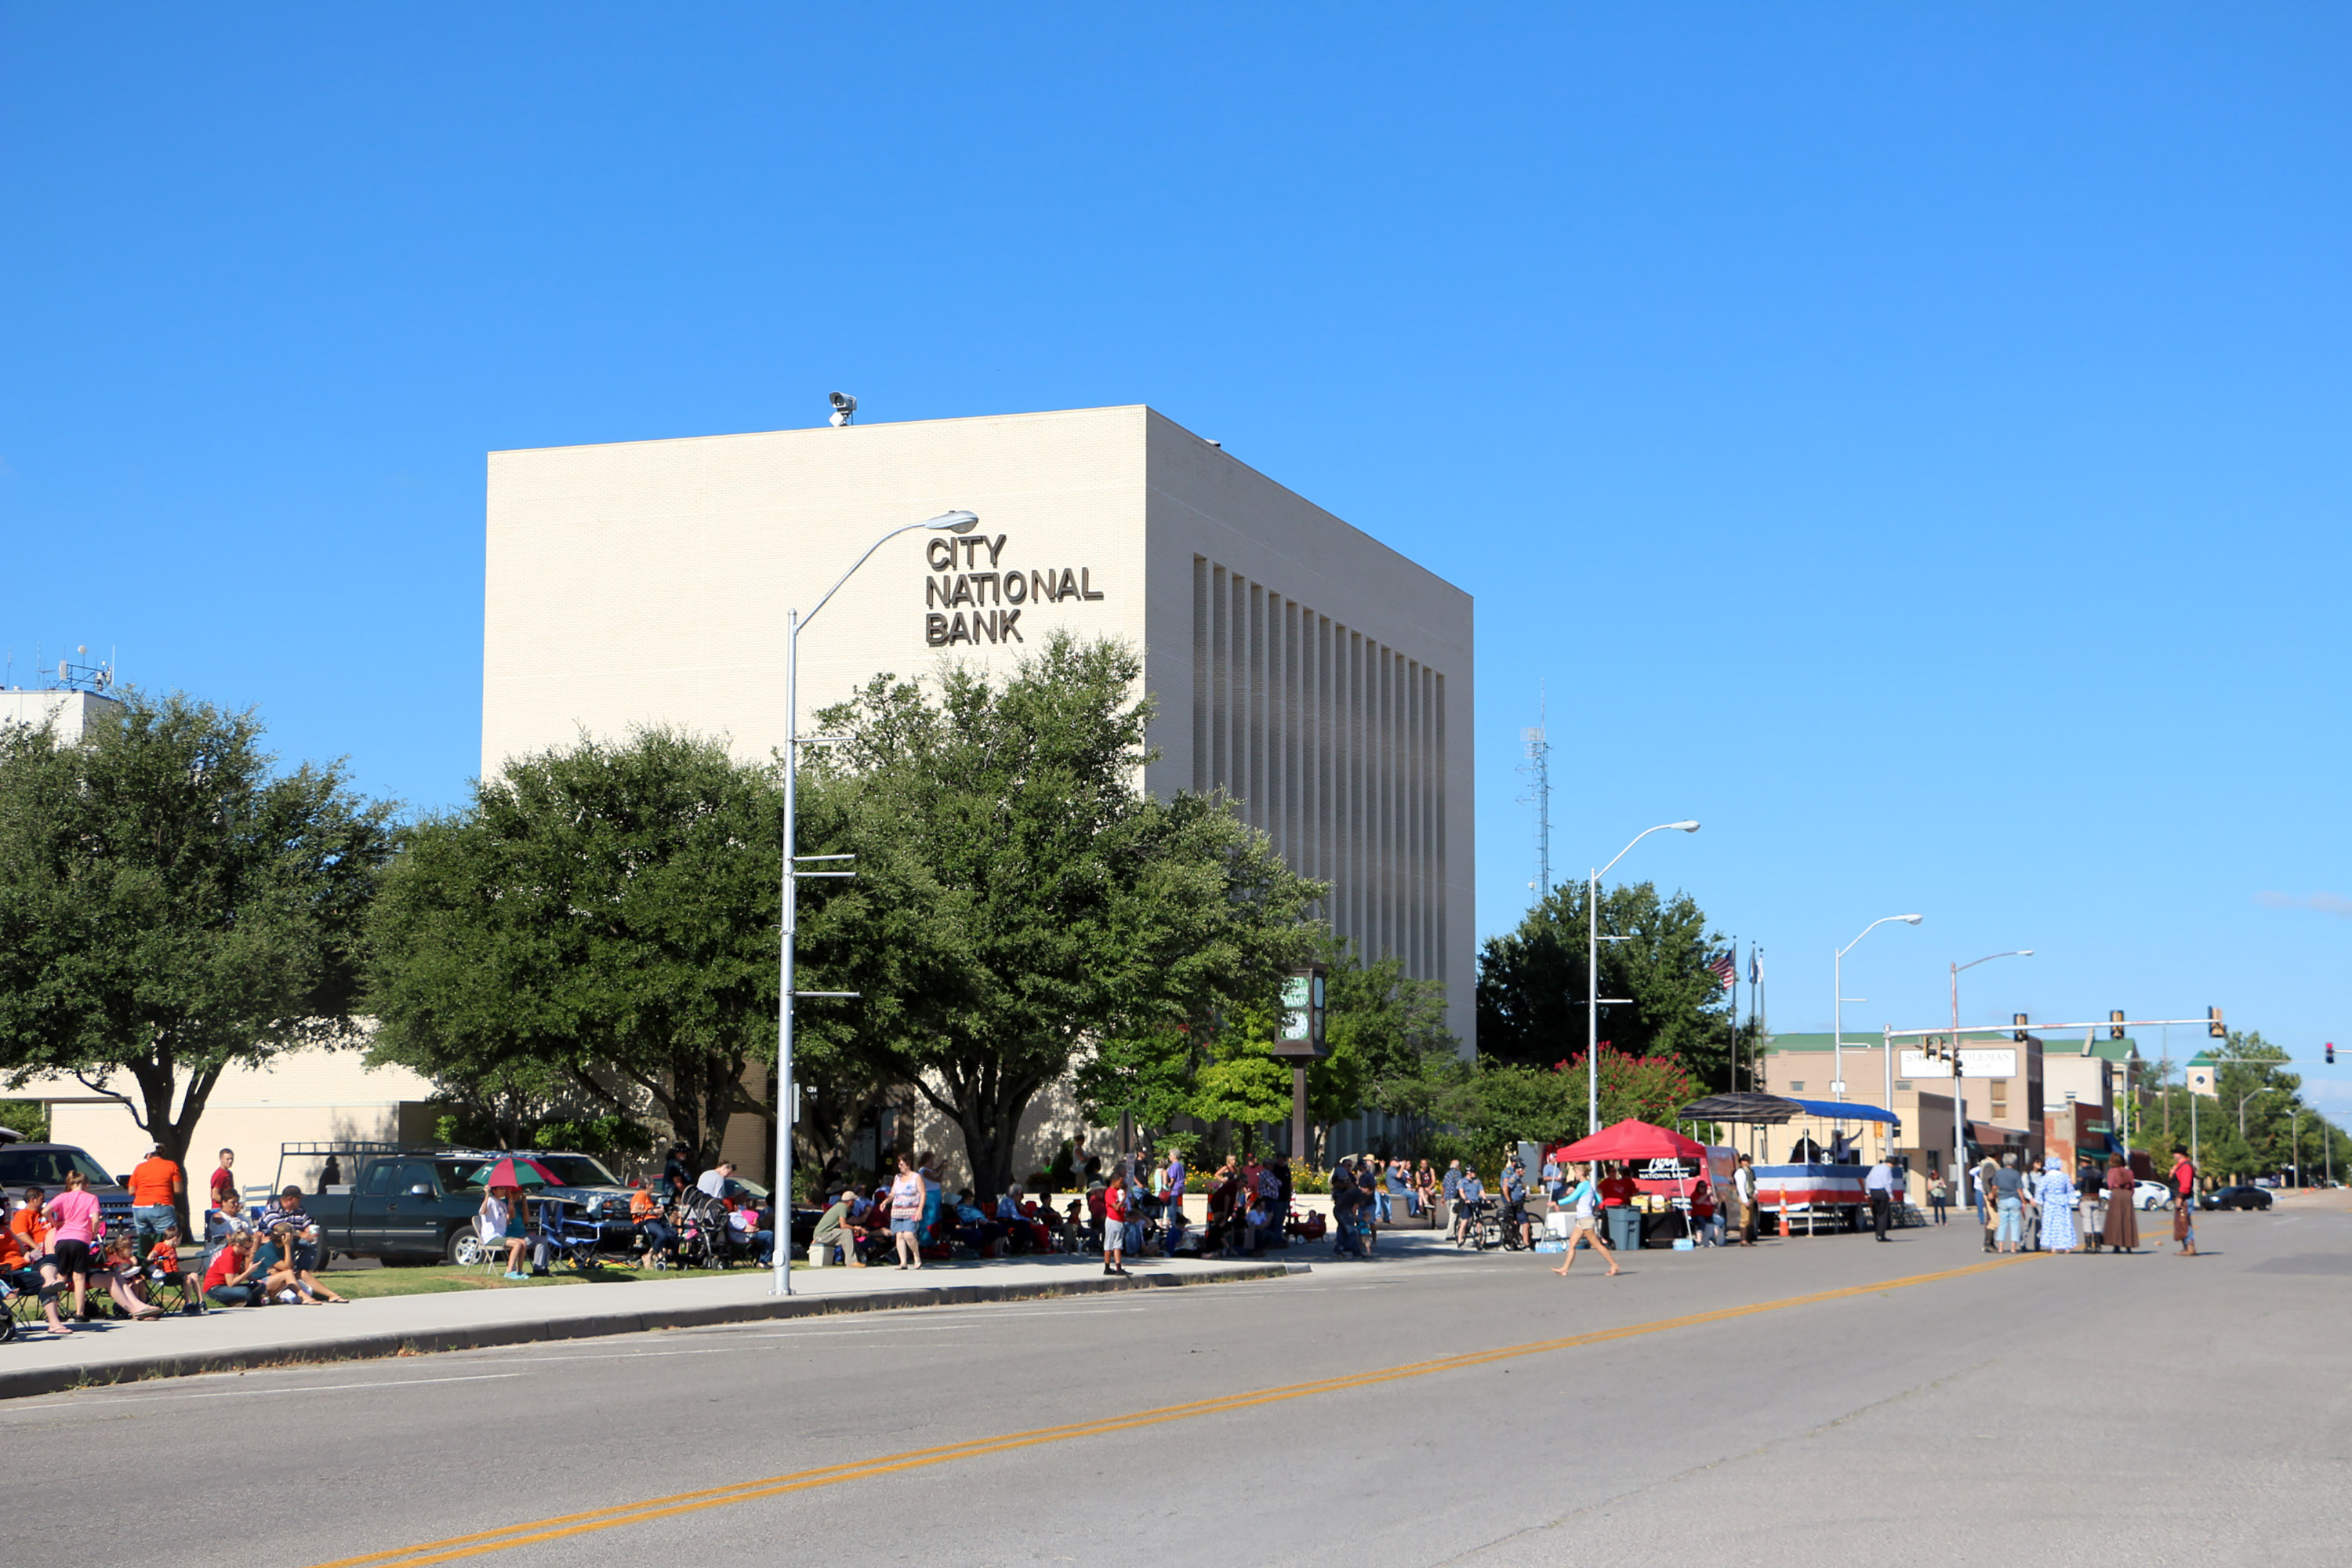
[[1318, 675]]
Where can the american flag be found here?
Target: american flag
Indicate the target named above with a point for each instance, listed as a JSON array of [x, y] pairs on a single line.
[[1725, 968]]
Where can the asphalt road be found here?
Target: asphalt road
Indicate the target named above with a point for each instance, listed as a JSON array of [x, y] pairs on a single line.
[[1825, 1401]]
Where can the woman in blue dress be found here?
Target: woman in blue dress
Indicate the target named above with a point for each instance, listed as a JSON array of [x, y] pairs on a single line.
[[2055, 1194]]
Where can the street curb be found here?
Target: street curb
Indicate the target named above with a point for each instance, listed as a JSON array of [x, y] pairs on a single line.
[[27, 1382]]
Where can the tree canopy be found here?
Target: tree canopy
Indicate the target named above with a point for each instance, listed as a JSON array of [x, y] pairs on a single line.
[[1532, 986], [599, 926], [2250, 1080], [170, 905], [1037, 901]]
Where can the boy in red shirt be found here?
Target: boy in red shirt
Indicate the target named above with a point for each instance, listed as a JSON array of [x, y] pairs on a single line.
[[1117, 1204], [164, 1263]]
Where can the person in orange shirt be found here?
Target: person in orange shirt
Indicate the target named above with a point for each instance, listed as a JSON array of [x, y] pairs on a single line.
[[156, 1188], [27, 1241]]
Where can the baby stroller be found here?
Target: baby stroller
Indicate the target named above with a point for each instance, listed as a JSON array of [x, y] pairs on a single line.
[[702, 1240]]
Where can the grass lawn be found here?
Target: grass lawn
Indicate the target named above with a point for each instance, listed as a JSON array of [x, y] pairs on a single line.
[[360, 1284]]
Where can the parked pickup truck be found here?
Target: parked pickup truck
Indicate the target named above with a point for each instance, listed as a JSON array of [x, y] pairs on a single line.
[[418, 1206]]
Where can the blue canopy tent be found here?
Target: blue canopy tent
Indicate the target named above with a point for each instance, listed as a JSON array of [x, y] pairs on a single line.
[[1810, 1183], [1843, 1110]]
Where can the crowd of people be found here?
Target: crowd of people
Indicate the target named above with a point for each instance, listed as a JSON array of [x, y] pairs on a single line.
[[59, 1250], [2088, 1209]]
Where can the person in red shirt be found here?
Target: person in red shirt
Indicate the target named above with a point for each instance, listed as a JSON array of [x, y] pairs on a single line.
[[1618, 1215], [223, 1189], [164, 1263], [1119, 1201], [229, 1281], [2184, 1202]]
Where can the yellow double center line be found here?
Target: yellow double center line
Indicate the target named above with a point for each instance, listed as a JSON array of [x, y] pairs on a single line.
[[650, 1509]]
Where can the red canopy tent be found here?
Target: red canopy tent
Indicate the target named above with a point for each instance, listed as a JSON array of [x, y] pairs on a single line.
[[1632, 1140]]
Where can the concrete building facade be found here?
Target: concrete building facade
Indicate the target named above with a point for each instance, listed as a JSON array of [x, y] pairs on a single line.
[[1320, 678]]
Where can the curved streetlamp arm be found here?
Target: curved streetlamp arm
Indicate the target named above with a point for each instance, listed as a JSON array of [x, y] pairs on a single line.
[[1849, 947], [1988, 958], [1684, 826], [951, 522]]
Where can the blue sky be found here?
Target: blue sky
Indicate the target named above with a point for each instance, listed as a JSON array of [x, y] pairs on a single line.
[[1910, 439]]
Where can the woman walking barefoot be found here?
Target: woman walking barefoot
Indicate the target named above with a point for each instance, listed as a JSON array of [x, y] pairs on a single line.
[[1582, 1199]]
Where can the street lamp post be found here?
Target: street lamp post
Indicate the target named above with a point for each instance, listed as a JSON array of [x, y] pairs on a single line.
[[1959, 1113], [1592, 974], [780, 1221], [1837, 985], [2266, 1088]]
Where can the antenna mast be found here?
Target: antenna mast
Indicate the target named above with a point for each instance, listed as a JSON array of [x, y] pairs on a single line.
[[1538, 767]]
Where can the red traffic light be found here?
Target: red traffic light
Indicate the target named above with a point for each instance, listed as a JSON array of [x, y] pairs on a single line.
[[2331, 1053]]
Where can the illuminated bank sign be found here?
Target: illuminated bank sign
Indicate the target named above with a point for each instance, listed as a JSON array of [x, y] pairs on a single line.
[[965, 601]]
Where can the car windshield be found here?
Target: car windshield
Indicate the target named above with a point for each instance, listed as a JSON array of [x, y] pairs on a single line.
[[48, 1167], [578, 1171]]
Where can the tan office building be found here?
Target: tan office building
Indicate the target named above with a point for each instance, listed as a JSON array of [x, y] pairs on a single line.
[[1321, 678]]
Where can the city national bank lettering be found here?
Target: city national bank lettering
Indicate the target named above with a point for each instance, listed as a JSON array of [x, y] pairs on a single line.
[[995, 597]]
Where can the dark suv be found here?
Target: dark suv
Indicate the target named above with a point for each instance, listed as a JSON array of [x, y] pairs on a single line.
[[43, 1166]]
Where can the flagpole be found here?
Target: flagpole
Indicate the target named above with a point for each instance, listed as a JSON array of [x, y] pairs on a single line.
[[1734, 1014]]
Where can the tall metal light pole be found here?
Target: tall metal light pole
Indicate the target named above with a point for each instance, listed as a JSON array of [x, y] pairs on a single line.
[[786, 1098], [1959, 1111], [1592, 974], [2266, 1088], [1837, 983]]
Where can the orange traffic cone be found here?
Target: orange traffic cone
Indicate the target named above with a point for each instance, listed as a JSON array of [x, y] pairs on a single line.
[[1784, 1224]]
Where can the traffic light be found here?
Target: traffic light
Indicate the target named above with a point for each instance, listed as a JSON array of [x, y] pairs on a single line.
[[2019, 1032], [2331, 1053], [2115, 1023], [2213, 1025]]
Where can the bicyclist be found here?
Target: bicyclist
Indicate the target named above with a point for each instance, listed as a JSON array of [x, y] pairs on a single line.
[[1473, 1207], [1514, 1201]]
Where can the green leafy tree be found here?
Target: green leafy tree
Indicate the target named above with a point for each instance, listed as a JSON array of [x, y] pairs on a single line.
[[172, 905], [1385, 1031], [598, 924], [1241, 1080], [1042, 902], [1494, 1103], [1532, 983]]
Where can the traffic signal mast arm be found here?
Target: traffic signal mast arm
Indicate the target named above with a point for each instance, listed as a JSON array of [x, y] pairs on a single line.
[[2011, 1028]]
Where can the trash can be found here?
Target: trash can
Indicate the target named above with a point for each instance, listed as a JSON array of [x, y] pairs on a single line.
[[1624, 1223]]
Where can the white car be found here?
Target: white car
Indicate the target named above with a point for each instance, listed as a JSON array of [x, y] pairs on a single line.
[[2151, 1195]]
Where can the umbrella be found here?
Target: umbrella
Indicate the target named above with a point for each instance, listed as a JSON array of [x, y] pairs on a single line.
[[525, 1172]]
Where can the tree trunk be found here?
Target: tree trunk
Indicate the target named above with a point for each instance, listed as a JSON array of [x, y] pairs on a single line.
[[157, 1080], [987, 1111]]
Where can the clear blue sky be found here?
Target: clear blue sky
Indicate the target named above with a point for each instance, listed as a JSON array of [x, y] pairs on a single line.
[[1911, 440]]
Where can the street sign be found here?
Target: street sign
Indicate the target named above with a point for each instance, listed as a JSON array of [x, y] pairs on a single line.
[[1975, 1062]]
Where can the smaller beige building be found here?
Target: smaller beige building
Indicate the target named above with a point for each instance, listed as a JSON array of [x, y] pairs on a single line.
[[307, 1096]]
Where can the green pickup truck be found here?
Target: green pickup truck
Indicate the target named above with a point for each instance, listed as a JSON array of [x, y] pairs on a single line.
[[418, 1206]]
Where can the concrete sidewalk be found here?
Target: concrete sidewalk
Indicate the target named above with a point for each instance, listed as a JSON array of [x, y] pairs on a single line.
[[228, 1339]]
